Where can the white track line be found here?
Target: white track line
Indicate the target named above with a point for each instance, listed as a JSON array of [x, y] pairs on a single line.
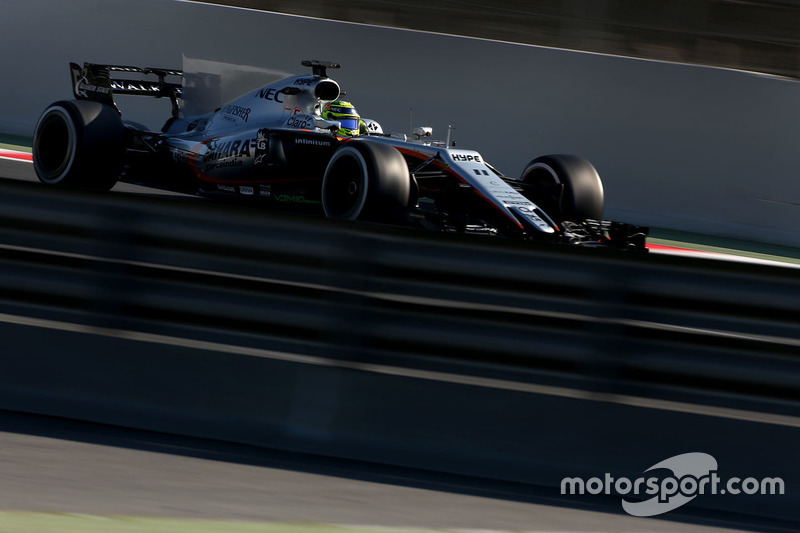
[[14, 155]]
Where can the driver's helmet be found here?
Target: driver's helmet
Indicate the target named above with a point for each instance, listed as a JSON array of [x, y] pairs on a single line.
[[347, 116]]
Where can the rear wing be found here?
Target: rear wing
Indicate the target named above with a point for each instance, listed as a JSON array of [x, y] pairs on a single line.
[[94, 82]]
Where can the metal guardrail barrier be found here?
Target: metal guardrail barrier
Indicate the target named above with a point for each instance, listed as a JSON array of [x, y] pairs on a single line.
[[477, 357], [671, 328]]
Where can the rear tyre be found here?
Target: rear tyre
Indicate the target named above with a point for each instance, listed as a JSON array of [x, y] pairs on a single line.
[[566, 187], [366, 181], [79, 143]]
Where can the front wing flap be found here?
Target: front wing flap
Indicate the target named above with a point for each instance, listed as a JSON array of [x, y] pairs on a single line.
[[606, 234]]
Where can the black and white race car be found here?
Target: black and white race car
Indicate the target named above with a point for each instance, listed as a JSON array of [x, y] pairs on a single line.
[[279, 145]]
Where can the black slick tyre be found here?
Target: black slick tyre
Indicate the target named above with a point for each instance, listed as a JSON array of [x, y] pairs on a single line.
[[79, 143], [566, 187], [365, 181]]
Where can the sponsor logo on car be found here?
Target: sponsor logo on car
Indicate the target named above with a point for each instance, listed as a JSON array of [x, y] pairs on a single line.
[[262, 145], [222, 150], [179, 156], [83, 86], [238, 112], [271, 94], [472, 158], [303, 122], [226, 154], [313, 142], [122, 85], [291, 198]]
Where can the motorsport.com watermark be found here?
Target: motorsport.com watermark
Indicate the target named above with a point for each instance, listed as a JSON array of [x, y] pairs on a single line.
[[693, 474]]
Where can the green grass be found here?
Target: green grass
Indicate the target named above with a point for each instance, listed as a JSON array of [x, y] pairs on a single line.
[[15, 142], [27, 522]]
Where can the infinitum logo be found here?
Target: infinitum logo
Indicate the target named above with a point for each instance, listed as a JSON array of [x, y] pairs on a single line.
[[693, 474]]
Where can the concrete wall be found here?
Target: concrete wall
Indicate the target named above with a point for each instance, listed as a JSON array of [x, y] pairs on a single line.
[[678, 146], [477, 431], [758, 35]]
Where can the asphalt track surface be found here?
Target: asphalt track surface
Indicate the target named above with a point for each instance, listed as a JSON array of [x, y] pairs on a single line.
[[60, 466], [23, 170]]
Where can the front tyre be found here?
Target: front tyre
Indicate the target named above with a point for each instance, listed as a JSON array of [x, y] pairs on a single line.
[[366, 181], [566, 187], [79, 143]]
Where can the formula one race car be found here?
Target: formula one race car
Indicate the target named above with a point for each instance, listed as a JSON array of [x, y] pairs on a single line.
[[293, 142]]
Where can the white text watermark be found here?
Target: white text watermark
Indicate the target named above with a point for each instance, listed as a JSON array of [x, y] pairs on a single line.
[[693, 474]]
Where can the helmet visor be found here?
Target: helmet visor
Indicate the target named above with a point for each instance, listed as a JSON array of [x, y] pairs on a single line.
[[349, 123]]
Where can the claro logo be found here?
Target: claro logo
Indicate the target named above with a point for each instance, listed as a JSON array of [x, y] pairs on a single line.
[[302, 122], [692, 474]]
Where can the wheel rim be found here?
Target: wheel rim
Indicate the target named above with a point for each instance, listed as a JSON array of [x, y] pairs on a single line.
[[546, 186], [54, 145], [345, 185]]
